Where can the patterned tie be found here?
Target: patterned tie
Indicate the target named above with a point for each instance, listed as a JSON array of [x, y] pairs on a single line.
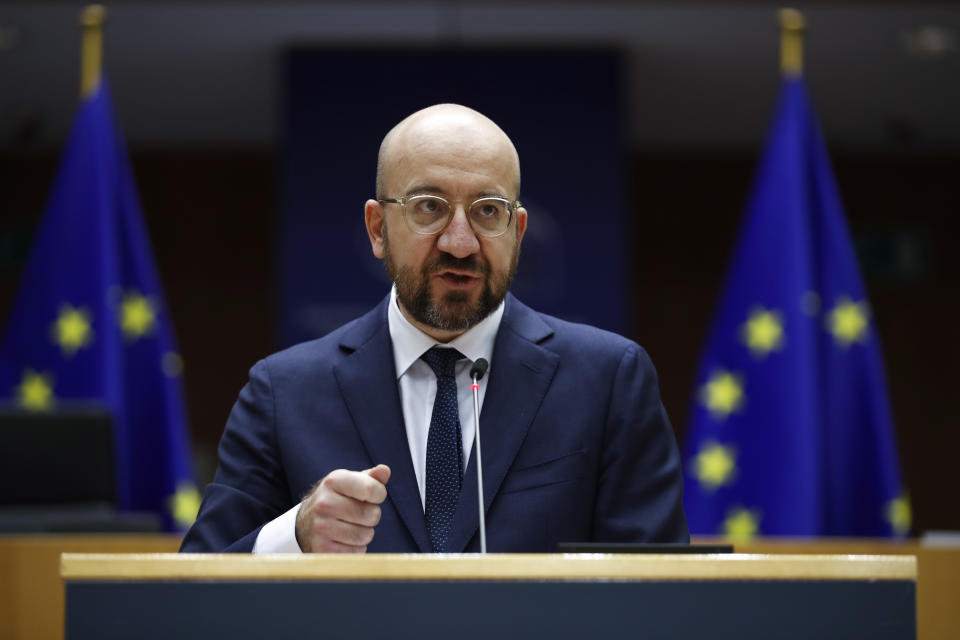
[[444, 453]]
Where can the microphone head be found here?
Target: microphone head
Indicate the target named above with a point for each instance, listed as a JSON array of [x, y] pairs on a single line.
[[479, 368]]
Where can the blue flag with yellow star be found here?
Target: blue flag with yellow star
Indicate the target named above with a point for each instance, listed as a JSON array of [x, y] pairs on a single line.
[[791, 431], [89, 323]]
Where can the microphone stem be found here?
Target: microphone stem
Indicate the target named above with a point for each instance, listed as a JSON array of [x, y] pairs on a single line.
[[476, 423]]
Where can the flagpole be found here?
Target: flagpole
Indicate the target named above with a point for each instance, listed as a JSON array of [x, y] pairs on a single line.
[[91, 58], [792, 25]]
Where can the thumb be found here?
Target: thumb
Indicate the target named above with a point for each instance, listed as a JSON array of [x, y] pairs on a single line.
[[380, 473]]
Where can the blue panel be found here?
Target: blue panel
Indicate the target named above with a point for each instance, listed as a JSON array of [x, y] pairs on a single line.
[[563, 110], [422, 610]]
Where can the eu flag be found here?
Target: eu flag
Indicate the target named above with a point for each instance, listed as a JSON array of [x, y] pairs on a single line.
[[791, 431], [90, 324]]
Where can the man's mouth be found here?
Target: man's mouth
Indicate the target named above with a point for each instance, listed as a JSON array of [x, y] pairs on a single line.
[[458, 278]]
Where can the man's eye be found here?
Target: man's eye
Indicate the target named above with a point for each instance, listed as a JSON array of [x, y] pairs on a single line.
[[429, 205], [488, 209]]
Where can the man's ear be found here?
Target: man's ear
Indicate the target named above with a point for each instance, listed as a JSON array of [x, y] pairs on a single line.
[[521, 214], [373, 218]]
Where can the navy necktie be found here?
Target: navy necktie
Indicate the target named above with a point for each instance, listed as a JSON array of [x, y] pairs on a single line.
[[444, 450]]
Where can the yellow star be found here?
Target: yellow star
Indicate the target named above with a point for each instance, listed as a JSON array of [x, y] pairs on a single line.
[[899, 515], [723, 393], [741, 524], [715, 465], [184, 505], [72, 329], [35, 393], [763, 331], [848, 321], [137, 315]]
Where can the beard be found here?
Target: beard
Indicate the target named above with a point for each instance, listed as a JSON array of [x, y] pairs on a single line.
[[454, 310]]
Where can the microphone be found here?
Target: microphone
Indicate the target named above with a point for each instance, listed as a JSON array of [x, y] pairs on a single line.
[[477, 372], [479, 369]]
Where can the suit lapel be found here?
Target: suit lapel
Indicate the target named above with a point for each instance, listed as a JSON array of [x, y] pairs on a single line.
[[368, 382], [520, 374]]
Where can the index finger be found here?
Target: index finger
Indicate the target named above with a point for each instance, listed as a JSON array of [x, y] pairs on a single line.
[[357, 485]]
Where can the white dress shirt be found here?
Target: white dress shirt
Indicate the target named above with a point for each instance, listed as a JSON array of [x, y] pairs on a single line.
[[418, 389]]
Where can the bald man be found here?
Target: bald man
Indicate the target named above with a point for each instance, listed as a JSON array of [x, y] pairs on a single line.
[[363, 440]]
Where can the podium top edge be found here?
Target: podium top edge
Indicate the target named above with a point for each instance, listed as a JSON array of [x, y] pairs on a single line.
[[491, 567]]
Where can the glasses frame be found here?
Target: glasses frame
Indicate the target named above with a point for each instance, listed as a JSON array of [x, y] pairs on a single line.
[[402, 201]]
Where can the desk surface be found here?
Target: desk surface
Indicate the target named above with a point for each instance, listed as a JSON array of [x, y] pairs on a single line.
[[164, 566], [559, 596], [32, 591]]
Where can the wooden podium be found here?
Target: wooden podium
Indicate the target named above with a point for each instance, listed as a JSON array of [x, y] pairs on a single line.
[[495, 596]]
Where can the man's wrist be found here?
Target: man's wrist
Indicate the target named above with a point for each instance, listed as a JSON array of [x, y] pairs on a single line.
[[279, 535], [298, 530]]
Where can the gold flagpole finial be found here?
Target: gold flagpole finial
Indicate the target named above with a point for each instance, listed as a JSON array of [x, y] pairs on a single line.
[[91, 58], [792, 25]]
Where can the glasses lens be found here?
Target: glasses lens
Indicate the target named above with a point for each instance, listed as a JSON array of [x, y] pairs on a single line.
[[490, 216], [427, 214]]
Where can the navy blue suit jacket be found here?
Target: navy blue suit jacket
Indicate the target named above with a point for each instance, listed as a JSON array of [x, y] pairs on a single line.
[[576, 444]]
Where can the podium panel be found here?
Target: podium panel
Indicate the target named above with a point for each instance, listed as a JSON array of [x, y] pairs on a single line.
[[466, 597]]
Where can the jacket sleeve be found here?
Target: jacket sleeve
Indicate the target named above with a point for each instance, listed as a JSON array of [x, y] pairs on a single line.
[[640, 484], [250, 487]]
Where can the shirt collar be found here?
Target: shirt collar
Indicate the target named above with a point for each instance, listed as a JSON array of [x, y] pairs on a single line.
[[409, 342]]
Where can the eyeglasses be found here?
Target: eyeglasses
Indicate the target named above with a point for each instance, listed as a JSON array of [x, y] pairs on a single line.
[[429, 215]]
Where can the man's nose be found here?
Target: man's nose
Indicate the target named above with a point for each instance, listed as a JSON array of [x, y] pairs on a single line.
[[458, 239]]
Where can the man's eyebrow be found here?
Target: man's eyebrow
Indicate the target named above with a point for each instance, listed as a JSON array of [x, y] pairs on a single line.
[[429, 188], [491, 194], [422, 188]]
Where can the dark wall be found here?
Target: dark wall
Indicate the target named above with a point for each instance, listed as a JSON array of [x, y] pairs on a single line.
[[211, 218]]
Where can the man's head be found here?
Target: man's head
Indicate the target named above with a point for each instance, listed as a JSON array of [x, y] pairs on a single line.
[[450, 280]]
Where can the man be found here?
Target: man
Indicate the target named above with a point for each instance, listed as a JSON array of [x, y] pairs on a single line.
[[372, 425]]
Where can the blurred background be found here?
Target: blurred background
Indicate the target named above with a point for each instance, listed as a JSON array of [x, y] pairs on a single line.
[[206, 94]]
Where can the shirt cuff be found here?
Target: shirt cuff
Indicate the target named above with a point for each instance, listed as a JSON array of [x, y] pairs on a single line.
[[279, 535]]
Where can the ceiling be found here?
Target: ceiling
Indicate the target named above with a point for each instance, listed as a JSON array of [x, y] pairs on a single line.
[[884, 78]]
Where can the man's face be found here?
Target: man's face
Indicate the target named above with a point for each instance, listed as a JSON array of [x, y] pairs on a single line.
[[450, 281], [450, 293]]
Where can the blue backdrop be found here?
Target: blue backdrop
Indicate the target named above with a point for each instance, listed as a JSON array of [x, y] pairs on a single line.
[[563, 110]]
